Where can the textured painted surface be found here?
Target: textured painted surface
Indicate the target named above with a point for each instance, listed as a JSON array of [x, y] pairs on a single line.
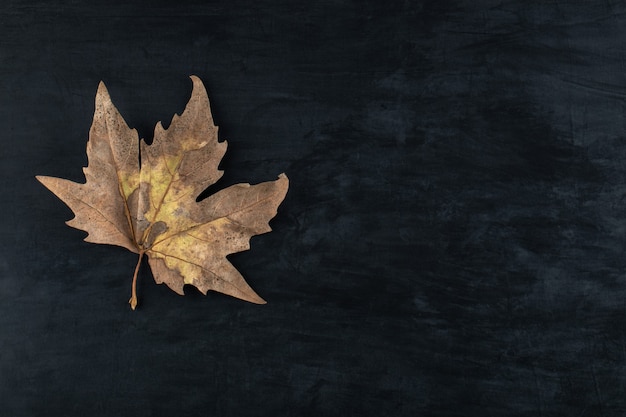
[[452, 243]]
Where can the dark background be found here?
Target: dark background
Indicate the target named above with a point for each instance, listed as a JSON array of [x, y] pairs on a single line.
[[452, 243]]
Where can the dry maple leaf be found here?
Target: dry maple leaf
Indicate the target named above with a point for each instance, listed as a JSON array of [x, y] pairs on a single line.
[[151, 208]]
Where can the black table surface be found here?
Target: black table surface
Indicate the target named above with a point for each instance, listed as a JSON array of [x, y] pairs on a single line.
[[452, 243]]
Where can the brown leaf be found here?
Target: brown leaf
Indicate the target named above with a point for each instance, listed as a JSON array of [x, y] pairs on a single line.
[[152, 209]]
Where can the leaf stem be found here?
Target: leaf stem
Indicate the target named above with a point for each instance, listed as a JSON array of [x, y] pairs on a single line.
[[133, 298]]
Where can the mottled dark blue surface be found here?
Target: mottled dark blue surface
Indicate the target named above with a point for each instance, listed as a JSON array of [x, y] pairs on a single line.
[[452, 243]]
